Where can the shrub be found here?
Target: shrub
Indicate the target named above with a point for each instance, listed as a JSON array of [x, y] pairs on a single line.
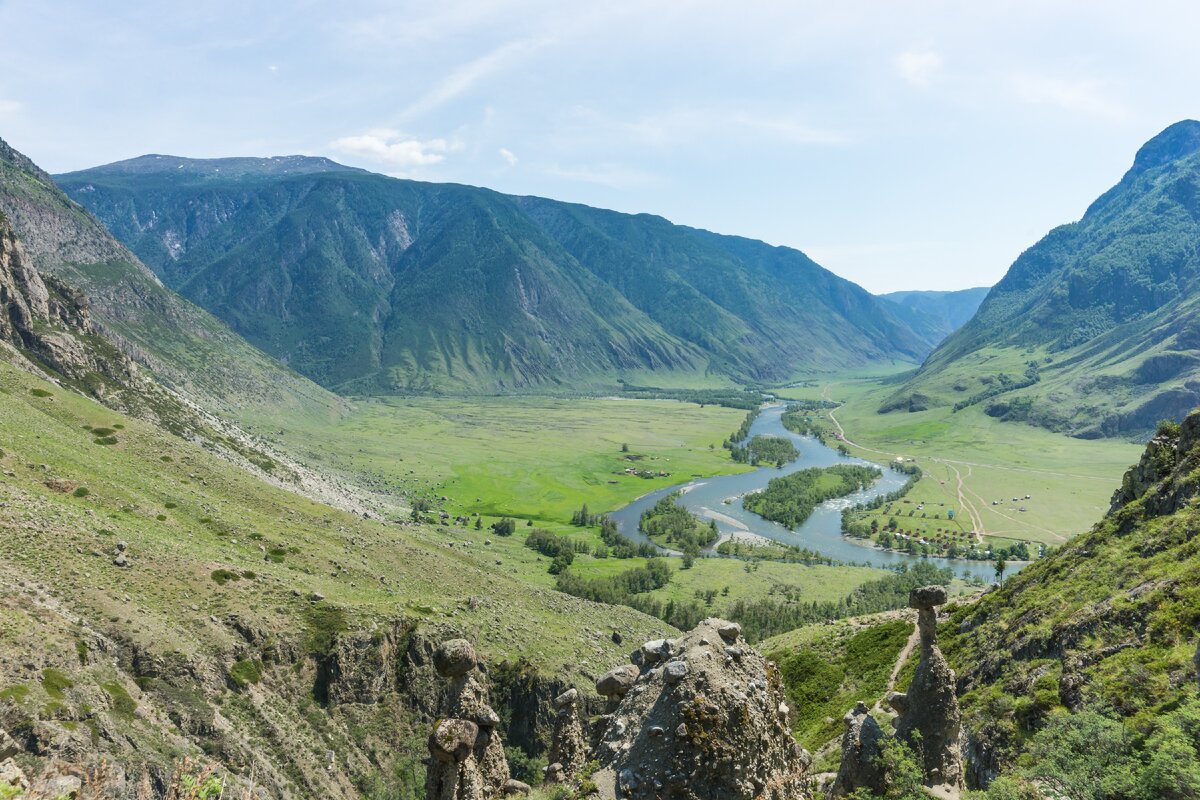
[[82, 491], [39, 393], [224, 576], [245, 672]]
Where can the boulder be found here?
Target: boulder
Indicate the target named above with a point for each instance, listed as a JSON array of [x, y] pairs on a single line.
[[11, 774], [514, 787], [927, 597], [454, 657], [862, 744], [452, 740], [704, 726], [617, 681]]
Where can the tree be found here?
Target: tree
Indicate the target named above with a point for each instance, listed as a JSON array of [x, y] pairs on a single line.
[[1000, 566], [504, 527], [688, 561], [420, 505], [625, 447], [479, 523]]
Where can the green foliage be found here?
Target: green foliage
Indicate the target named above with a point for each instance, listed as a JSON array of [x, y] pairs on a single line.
[[789, 500], [123, 705], [323, 624], [40, 393], [671, 524], [81, 491], [223, 576], [765, 450], [55, 683], [504, 527], [525, 768], [245, 672], [825, 678]]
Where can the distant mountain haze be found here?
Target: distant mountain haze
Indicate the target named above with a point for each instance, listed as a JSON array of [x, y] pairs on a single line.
[[1095, 330], [368, 284]]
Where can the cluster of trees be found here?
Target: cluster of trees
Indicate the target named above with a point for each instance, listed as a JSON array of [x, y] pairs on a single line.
[[1003, 383], [620, 545], [762, 619], [789, 500], [670, 523], [584, 518], [560, 549], [790, 553], [617, 589], [729, 398], [742, 433], [765, 450]]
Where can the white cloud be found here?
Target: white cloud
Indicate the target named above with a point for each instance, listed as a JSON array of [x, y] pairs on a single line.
[[394, 149], [1079, 96], [508, 155], [919, 67]]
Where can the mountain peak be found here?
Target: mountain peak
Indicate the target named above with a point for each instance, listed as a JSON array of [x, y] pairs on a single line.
[[1177, 141], [156, 163]]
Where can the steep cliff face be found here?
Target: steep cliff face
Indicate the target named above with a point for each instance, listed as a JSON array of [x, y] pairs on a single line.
[[1108, 622], [49, 323]]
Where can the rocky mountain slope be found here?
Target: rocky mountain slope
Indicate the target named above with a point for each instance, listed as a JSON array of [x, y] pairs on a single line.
[[1093, 329], [934, 315], [183, 346], [372, 284]]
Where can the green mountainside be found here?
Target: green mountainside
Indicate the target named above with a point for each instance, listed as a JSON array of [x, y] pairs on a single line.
[[185, 347], [934, 315], [1094, 330], [371, 284]]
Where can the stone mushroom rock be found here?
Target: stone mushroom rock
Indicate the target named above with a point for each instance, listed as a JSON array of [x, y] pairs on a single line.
[[452, 740], [862, 743], [568, 745], [454, 657], [710, 727], [930, 721]]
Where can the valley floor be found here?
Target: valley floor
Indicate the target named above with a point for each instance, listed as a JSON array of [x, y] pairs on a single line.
[[1007, 481]]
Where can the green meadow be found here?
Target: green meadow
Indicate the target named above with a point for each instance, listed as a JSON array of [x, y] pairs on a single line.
[[976, 464]]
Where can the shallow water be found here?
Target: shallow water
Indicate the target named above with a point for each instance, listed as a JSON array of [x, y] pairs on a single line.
[[821, 532]]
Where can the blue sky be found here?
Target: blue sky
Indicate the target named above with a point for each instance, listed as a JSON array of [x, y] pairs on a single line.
[[900, 144]]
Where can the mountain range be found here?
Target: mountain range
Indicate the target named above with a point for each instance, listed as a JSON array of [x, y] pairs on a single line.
[[1094, 330], [371, 284]]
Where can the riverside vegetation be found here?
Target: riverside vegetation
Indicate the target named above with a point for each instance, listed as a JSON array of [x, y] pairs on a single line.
[[235, 581]]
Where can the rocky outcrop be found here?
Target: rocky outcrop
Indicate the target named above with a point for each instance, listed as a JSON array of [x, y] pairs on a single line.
[[929, 721], [467, 755], [862, 744], [568, 746], [47, 321], [706, 718]]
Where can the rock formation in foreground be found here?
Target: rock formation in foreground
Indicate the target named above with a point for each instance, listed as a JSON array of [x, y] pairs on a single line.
[[467, 759], [862, 745], [929, 720], [704, 719]]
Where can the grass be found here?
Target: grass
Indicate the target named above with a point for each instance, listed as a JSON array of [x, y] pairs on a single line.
[[1069, 480], [528, 458], [827, 668]]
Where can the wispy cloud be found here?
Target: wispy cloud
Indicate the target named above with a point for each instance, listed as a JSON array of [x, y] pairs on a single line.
[[1086, 96], [10, 106], [919, 67], [508, 155], [393, 149], [464, 77]]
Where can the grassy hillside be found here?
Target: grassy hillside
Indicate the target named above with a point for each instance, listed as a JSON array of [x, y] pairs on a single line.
[[375, 285], [207, 643], [186, 347], [1092, 331]]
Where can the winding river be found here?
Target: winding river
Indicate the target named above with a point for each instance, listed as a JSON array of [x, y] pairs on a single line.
[[821, 532]]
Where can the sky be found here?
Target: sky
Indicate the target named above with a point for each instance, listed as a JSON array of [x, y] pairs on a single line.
[[903, 145]]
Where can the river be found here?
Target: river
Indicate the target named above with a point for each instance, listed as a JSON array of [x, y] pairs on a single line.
[[821, 532]]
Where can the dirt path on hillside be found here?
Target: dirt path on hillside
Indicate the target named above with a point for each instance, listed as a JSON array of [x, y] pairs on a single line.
[[914, 640]]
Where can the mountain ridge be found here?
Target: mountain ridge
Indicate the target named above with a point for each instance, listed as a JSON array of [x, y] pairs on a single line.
[[1094, 329], [416, 271]]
